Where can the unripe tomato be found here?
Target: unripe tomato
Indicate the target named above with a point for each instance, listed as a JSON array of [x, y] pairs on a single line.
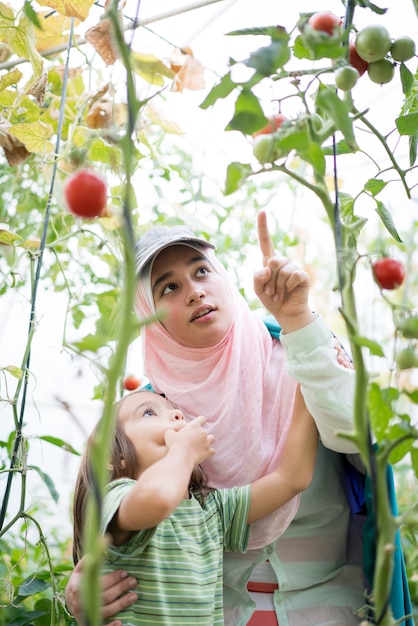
[[373, 43], [388, 273], [274, 123], [131, 383], [85, 193], [263, 148], [326, 22], [356, 60], [409, 327], [406, 358], [381, 72], [346, 77], [403, 49]]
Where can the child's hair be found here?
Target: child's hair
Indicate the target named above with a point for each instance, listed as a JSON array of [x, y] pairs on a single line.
[[123, 463]]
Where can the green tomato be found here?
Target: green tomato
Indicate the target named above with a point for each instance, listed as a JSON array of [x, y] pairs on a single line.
[[409, 327], [403, 49], [407, 358], [263, 148], [346, 77], [373, 43], [381, 72]]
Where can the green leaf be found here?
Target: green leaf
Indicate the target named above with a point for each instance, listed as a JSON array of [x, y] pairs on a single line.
[[387, 220], [60, 443], [221, 90], [270, 31], [396, 432], [407, 124], [248, 116], [300, 50], [379, 402], [236, 175], [374, 186], [413, 139], [374, 348], [338, 111], [32, 15], [314, 155], [48, 482], [268, 59], [407, 79], [31, 586], [13, 370]]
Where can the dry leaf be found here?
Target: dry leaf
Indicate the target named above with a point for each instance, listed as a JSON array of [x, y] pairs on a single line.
[[101, 38], [38, 88], [14, 149], [100, 114], [190, 76]]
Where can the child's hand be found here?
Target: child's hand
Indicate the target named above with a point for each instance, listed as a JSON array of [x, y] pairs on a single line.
[[194, 439], [282, 286]]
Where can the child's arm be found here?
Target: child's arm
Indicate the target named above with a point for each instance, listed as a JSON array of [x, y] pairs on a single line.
[[162, 486], [295, 469]]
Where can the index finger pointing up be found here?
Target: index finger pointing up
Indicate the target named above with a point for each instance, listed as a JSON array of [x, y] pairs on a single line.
[[266, 244]]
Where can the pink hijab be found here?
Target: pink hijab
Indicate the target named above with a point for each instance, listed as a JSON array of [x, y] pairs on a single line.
[[240, 385]]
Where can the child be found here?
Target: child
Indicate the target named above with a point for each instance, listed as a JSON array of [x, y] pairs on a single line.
[[166, 526]]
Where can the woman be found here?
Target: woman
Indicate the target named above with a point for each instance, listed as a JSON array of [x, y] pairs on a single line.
[[210, 351]]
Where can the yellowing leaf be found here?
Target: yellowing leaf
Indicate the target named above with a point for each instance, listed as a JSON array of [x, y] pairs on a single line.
[[20, 38], [70, 8], [34, 136], [190, 75], [150, 68], [157, 117], [11, 78], [55, 31]]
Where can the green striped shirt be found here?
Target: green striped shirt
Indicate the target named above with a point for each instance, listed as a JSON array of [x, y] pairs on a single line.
[[179, 563]]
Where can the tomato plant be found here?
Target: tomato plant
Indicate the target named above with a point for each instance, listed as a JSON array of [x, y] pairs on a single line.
[[389, 273], [86, 194], [409, 327], [325, 22], [373, 42], [274, 123], [131, 383]]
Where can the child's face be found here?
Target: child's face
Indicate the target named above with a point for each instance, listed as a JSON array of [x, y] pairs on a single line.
[[193, 297], [146, 417]]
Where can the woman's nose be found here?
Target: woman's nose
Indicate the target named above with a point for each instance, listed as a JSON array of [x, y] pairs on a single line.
[[196, 293]]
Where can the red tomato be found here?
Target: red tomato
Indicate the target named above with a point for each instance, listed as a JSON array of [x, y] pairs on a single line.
[[86, 194], [389, 273], [356, 60], [326, 22], [131, 383], [274, 124]]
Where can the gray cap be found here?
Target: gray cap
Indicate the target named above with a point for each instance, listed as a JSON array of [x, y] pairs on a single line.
[[160, 237]]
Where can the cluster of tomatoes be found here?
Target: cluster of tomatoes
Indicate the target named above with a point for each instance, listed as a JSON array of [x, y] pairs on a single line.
[[373, 50]]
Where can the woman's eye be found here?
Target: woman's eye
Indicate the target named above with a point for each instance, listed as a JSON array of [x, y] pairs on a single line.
[[202, 271], [168, 289]]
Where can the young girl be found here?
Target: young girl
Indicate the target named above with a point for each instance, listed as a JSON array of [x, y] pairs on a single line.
[[165, 525]]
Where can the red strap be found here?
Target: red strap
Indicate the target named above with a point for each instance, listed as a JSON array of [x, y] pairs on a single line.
[[262, 587], [263, 618]]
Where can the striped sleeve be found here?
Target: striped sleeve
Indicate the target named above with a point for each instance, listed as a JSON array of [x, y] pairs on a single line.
[[234, 505]]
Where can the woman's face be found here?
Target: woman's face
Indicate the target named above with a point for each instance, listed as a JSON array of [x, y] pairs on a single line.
[[192, 296]]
